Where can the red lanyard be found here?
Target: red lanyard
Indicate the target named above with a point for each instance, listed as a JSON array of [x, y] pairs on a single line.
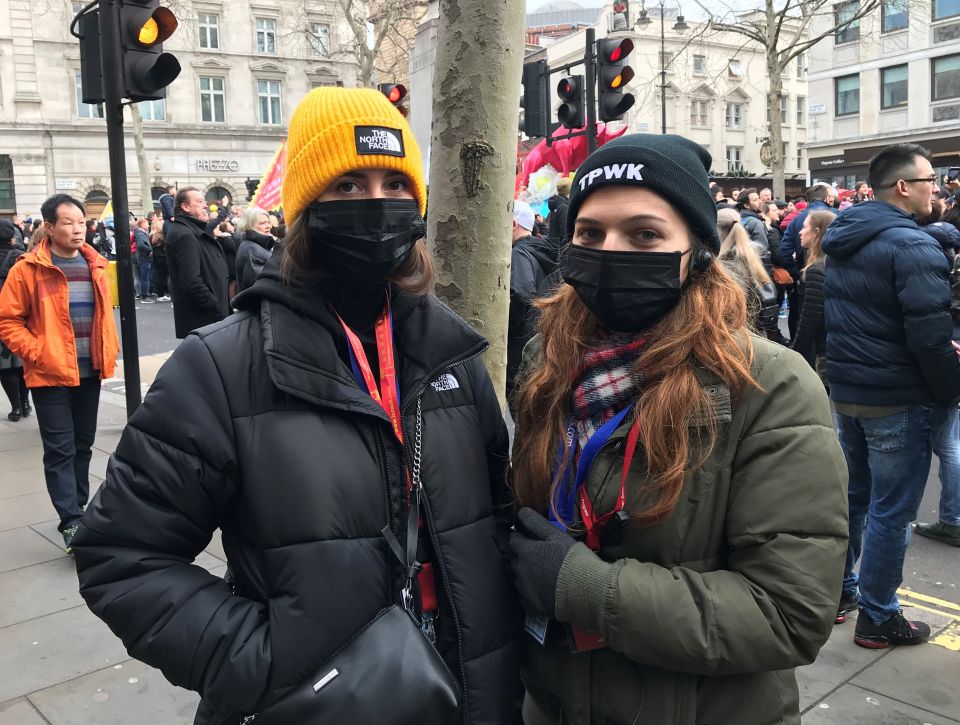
[[387, 395], [594, 524]]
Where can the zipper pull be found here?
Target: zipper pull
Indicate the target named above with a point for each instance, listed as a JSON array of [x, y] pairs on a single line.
[[427, 627]]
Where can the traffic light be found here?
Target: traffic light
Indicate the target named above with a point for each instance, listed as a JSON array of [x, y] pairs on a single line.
[[573, 96], [535, 103], [147, 70], [251, 185], [91, 77], [395, 93], [613, 74]]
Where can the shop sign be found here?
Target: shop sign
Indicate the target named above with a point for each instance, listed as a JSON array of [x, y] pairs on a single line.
[[218, 165]]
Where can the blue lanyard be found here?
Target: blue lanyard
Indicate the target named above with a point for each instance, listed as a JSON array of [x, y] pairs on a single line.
[[565, 502]]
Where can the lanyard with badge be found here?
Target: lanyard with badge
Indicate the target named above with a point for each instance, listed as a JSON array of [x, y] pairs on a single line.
[[387, 396], [575, 497]]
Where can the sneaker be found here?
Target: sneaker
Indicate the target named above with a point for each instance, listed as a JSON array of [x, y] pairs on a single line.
[[895, 631], [68, 534], [13, 415], [847, 604], [163, 298], [940, 531], [147, 300]]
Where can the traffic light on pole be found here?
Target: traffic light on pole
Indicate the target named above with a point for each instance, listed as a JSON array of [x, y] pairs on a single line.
[[147, 70], [395, 93], [91, 77], [573, 96], [535, 103], [613, 74]]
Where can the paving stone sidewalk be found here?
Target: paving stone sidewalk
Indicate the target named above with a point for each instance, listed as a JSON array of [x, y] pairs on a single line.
[[59, 665]]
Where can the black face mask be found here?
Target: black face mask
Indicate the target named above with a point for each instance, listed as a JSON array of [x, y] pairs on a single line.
[[627, 291], [364, 240]]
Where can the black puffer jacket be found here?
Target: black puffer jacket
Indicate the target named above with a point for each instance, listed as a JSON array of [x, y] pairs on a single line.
[[810, 339], [252, 254], [256, 426]]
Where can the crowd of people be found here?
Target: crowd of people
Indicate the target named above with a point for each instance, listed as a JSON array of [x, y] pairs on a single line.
[[679, 524]]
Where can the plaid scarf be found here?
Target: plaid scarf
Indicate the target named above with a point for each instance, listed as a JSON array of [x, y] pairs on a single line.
[[605, 383]]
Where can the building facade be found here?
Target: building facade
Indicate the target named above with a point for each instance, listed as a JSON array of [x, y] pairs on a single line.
[[893, 76], [245, 66], [716, 88]]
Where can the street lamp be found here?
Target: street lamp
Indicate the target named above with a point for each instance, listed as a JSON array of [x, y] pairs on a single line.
[[643, 19]]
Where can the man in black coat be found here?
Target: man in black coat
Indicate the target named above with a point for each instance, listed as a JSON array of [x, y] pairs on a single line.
[[168, 205], [558, 205], [198, 267]]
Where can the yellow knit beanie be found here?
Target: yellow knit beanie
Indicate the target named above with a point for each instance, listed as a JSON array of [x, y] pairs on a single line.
[[337, 130]]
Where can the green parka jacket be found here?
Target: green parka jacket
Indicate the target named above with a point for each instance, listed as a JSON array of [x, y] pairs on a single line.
[[708, 613]]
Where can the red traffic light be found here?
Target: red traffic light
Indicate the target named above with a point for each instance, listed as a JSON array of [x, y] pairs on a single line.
[[564, 87], [569, 88], [613, 52], [393, 91]]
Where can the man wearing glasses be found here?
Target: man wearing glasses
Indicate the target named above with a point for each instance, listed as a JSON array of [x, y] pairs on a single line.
[[893, 372]]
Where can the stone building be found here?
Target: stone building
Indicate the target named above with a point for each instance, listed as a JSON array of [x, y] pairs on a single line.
[[245, 65], [890, 77]]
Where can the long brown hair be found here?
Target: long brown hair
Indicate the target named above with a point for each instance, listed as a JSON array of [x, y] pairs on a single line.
[[416, 276], [706, 329], [819, 221], [736, 244]]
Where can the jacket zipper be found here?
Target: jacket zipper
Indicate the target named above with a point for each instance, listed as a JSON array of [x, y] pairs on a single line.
[[435, 539]]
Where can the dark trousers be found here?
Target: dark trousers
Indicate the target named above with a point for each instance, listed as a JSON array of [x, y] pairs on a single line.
[[159, 277], [145, 268], [16, 389], [68, 425]]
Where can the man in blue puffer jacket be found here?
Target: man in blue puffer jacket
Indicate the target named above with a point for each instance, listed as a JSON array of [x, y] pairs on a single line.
[[892, 373]]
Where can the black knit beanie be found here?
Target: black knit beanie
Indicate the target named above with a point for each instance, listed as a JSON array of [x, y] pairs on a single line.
[[672, 166]]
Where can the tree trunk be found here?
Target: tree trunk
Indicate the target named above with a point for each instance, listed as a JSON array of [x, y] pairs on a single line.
[[774, 69], [473, 162], [146, 198]]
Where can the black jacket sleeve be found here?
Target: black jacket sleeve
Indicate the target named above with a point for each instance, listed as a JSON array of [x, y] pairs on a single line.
[[921, 273], [167, 486], [494, 432], [187, 258], [811, 317]]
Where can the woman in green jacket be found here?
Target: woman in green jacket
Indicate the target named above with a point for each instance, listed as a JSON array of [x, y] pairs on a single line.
[[684, 525]]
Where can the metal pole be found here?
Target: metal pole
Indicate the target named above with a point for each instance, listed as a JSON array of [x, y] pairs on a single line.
[[111, 59], [663, 75], [589, 70]]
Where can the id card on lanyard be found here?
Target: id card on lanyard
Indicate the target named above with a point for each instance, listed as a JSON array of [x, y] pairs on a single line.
[[387, 396], [575, 496]]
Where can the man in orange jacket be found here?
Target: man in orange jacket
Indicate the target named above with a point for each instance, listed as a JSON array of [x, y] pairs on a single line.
[[57, 316]]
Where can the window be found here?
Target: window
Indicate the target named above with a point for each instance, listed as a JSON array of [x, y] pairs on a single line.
[[699, 65], [784, 110], [698, 113], [769, 101], [268, 98], [665, 60], [208, 27], [893, 15], [86, 110], [734, 115], [785, 155], [799, 157], [212, 106], [848, 95], [267, 36], [945, 9], [320, 38], [801, 66], [801, 110], [153, 110], [946, 77], [734, 158], [893, 86], [8, 201], [735, 69], [215, 195], [842, 13]]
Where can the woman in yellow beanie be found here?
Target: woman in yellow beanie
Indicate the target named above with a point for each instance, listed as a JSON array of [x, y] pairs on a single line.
[[340, 408]]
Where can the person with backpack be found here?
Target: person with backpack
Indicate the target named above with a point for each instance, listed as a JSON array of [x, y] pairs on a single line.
[[11, 366]]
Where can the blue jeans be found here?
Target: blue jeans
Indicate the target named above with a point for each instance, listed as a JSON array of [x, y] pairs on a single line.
[[68, 426], [947, 448], [888, 459], [145, 279]]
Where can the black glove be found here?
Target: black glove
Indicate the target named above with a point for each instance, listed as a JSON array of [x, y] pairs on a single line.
[[538, 549]]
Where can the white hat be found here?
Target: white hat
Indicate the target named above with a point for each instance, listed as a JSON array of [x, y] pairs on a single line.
[[523, 215]]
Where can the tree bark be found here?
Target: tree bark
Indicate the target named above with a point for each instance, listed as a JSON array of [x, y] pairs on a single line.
[[473, 162], [774, 70], [146, 198]]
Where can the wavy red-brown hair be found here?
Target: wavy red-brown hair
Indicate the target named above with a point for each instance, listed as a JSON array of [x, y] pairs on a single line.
[[678, 432]]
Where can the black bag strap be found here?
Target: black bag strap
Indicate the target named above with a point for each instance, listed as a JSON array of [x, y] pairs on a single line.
[[408, 557]]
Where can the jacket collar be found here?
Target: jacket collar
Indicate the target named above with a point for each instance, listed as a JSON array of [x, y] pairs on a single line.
[[301, 333], [43, 256]]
